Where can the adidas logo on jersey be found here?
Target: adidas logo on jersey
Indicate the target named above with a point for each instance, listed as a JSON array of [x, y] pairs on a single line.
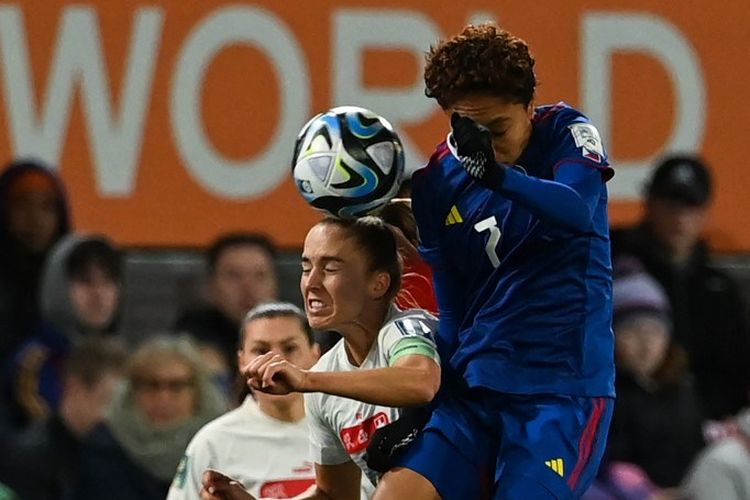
[[454, 217], [556, 464]]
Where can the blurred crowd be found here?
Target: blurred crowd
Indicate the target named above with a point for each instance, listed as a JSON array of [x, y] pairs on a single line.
[[84, 414]]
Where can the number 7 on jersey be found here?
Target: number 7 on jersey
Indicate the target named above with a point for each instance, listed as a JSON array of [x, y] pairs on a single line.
[[490, 224]]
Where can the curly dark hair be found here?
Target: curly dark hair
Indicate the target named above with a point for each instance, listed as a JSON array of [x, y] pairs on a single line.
[[482, 58]]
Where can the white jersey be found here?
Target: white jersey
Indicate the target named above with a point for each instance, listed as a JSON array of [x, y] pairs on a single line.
[[341, 428], [268, 456]]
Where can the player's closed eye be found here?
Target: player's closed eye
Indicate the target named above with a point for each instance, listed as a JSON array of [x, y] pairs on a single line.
[[259, 351], [290, 349]]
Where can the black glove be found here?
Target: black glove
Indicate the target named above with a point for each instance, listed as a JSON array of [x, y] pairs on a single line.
[[474, 146], [390, 441]]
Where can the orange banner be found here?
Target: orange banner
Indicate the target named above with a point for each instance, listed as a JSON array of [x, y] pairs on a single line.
[[174, 122]]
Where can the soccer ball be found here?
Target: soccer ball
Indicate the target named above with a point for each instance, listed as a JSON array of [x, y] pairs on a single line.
[[348, 162]]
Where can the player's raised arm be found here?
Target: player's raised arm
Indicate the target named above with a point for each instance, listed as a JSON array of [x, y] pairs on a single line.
[[569, 200]]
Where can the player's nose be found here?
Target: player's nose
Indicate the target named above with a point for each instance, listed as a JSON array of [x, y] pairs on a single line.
[[313, 279], [306, 286]]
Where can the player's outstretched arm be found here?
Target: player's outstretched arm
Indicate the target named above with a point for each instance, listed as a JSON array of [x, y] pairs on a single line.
[[413, 380]]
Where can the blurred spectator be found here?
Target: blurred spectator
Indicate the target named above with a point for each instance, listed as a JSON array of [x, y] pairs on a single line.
[[656, 423], [41, 462], [82, 287], [264, 445], [80, 298], [708, 311], [722, 471], [166, 399], [623, 481], [241, 274], [33, 216]]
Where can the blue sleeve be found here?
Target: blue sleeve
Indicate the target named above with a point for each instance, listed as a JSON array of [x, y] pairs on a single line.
[[446, 293], [568, 201]]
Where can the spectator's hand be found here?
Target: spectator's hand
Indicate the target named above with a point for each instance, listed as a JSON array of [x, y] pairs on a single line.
[[218, 486], [474, 147], [273, 374]]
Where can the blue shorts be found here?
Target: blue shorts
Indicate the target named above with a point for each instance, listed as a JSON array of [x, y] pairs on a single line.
[[540, 446]]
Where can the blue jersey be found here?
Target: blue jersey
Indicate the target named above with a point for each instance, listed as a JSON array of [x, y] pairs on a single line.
[[524, 271]]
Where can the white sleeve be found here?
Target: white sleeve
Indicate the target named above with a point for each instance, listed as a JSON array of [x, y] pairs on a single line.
[[410, 335], [186, 484], [711, 479], [325, 445]]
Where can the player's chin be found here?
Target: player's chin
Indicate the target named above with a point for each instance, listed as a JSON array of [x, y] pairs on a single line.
[[506, 159], [507, 156]]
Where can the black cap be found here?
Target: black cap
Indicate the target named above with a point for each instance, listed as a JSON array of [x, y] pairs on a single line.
[[685, 179]]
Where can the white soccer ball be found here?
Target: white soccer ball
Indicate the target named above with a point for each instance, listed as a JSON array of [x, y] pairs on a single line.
[[348, 162]]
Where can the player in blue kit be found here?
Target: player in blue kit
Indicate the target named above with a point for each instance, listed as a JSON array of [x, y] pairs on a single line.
[[512, 217]]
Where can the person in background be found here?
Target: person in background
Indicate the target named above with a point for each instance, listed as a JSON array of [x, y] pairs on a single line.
[[708, 311], [723, 469], [656, 423], [41, 462], [241, 274], [624, 481], [82, 287], [134, 453], [262, 444], [80, 298], [33, 216]]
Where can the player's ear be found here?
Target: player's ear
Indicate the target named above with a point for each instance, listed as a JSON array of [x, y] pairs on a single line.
[[530, 109], [241, 358], [379, 285], [316, 351]]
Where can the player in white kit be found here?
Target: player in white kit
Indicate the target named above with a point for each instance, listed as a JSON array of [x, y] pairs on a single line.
[[264, 444], [386, 360]]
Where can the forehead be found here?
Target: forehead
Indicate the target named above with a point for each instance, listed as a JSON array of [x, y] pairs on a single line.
[[93, 271], [485, 106], [328, 240], [167, 367], [243, 255], [643, 326], [274, 329]]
